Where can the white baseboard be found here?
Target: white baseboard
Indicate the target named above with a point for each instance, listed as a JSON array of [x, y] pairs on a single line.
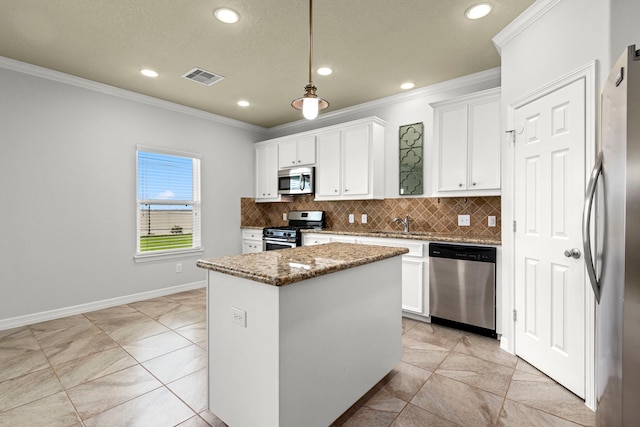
[[30, 319]]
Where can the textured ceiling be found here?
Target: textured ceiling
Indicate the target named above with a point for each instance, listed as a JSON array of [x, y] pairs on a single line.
[[372, 45]]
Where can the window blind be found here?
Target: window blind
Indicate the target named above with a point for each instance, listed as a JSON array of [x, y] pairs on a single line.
[[168, 201]]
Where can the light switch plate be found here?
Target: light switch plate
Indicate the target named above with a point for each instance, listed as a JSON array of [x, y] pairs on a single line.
[[491, 221], [464, 220], [364, 218], [284, 216], [351, 219]]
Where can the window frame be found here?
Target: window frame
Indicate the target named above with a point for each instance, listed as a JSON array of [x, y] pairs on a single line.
[[196, 203]]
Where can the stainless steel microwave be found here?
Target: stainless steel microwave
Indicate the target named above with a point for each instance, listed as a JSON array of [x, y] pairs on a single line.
[[296, 181]]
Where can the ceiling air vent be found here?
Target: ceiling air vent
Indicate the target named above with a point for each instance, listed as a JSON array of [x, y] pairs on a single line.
[[201, 76]]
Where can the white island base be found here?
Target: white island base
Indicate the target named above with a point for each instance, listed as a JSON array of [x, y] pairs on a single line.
[[309, 350]]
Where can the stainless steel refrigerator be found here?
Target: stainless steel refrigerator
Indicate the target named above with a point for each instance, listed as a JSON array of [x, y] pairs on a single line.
[[612, 245]]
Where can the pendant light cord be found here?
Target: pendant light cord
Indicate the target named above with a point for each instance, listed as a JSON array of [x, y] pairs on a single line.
[[310, 37]]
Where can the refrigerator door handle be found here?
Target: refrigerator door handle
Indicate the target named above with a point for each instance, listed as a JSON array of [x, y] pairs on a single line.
[[586, 226]]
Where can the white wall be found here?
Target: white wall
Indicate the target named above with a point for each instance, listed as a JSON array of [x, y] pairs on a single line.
[[407, 108], [560, 37], [67, 189], [625, 29]]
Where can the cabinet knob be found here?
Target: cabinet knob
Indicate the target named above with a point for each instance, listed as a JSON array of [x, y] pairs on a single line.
[[293, 162], [335, 191], [263, 194], [473, 183], [346, 190], [299, 161], [459, 185]]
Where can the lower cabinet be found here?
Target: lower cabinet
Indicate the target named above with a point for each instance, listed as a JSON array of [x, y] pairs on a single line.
[[251, 241], [415, 278]]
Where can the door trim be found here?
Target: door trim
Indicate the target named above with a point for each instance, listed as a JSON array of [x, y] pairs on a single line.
[[588, 73]]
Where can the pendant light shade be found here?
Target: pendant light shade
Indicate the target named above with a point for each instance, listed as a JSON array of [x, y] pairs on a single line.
[[310, 103]]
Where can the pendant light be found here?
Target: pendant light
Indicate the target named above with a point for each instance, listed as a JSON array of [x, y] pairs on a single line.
[[310, 103]]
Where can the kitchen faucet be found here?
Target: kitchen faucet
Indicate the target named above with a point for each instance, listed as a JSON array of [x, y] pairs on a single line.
[[404, 222]]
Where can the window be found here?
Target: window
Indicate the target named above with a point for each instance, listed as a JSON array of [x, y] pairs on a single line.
[[168, 202]]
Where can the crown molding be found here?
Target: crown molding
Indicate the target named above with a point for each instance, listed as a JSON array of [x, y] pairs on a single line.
[[526, 18], [491, 76], [57, 76]]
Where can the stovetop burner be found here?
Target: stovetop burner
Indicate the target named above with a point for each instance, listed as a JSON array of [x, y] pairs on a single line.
[[298, 220]]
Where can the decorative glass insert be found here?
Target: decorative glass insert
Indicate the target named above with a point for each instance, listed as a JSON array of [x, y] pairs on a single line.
[[411, 142]]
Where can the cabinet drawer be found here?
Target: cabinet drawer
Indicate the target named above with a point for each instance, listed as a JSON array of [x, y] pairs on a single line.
[[251, 234]]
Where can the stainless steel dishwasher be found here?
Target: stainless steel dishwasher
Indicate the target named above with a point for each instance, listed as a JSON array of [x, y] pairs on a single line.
[[462, 287]]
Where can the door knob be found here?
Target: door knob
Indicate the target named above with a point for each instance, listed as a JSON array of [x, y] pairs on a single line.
[[572, 253]]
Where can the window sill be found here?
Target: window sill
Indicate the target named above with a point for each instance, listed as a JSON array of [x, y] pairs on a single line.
[[167, 255]]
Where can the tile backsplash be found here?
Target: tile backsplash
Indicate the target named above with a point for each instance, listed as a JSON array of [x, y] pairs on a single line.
[[438, 215]]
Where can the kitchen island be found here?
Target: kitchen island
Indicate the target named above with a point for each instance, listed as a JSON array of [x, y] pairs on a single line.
[[296, 336]]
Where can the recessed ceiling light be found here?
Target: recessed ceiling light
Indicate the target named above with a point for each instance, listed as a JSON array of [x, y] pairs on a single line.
[[243, 103], [407, 85], [324, 71], [148, 73], [226, 15], [479, 11]]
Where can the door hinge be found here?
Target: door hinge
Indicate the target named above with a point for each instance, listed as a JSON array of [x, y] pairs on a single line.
[[512, 133], [514, 225], [515, 315]]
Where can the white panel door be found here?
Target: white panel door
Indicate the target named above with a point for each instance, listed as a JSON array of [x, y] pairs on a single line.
[[549, 193]]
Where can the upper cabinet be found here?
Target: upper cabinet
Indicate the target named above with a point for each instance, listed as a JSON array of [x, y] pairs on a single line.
[[267, 173], [467, 144], [350, 163], [296, 152]]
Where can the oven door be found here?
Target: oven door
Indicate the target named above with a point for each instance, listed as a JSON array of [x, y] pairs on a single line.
[[273, 244]]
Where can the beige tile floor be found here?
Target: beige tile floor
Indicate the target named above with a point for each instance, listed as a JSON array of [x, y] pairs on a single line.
[[144, 364]]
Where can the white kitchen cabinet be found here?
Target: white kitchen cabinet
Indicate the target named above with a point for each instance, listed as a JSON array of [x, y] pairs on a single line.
[[315, 239], [251, 241], [267, 173], [467, 144], [415, 281], [415, 295], [350, 162], [296, 152]]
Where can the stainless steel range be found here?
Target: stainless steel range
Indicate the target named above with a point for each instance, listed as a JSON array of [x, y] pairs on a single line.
[[289, 236]]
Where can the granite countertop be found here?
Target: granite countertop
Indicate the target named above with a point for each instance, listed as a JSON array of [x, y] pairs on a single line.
[[286, 266], [432, 237]]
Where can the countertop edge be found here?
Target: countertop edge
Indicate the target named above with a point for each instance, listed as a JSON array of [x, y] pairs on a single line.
[[227, 265], [431, 237]]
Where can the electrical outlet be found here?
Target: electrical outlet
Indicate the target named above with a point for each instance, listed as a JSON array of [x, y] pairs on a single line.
[[178, 268], [363, 218], [464, 220], [284, 216], [491, 221], [239, 317], [352, 219]]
